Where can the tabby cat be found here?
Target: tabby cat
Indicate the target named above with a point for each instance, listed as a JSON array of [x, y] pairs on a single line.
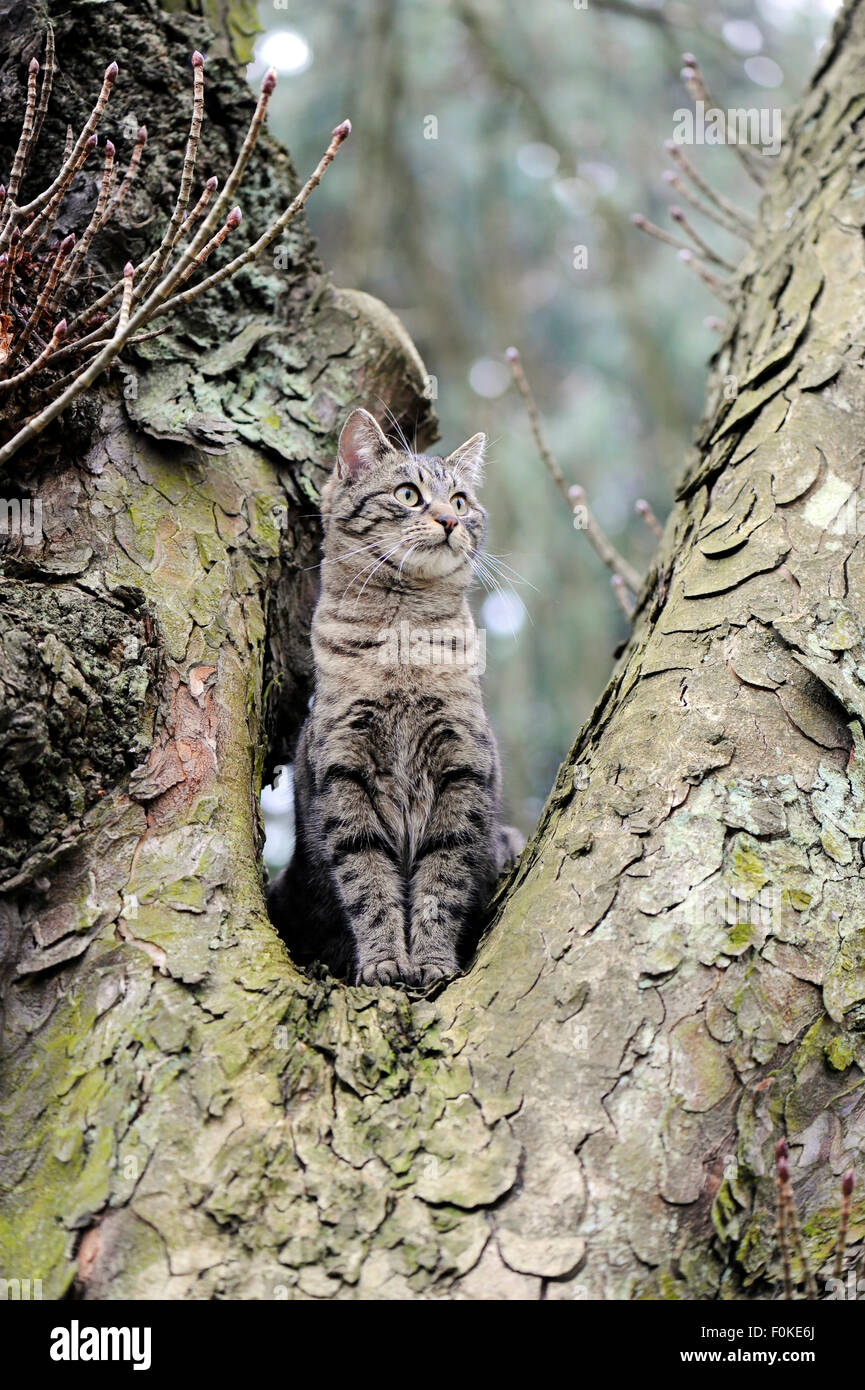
[[397, 773]]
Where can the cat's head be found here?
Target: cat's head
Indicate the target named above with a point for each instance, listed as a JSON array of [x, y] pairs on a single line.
[[416, 514]]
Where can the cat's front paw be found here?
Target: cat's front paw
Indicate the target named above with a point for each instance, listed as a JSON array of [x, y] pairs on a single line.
[[430, 972], [380, 972]]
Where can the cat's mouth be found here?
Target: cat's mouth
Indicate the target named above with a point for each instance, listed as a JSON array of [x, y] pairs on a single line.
[[443, 547], [431, 557]]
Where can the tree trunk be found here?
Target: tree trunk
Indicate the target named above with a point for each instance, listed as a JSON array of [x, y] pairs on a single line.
[[675, 978]]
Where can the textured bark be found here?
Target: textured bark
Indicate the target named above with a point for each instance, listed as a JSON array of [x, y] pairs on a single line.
[[591, 1110]]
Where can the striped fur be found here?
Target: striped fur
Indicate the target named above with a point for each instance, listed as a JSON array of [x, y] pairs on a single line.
[[397, 774]]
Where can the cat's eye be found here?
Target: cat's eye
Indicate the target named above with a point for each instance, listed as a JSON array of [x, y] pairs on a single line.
[[459, 502], [408, 495]]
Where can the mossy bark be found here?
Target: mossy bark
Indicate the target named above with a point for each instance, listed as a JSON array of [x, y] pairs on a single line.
[[675, 976]]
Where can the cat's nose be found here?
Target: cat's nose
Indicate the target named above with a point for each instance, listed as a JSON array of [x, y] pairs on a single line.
[[448, 521]]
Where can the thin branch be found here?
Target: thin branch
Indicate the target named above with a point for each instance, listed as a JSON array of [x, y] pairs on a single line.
[[600, 542], [175, 222], [129, 177], [692, 77], [843, 1221], [206, 229], [5, 282], [652, 229], [574, 496], [103, 333], [714, 215], [17, 215], [644, 511], [38, 362], [782, 1173], [45, 299], [703, 247], [742, 221], [545, 453], [340, 134], [622, 596], [86, 314], [96, 219], [791, 1219], [156, 274], [22, 151], [48, 69], [714, 284], [126, 302], [34, 232]]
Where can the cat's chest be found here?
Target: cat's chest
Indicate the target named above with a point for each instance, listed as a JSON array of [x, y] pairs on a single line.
[[400, 732]]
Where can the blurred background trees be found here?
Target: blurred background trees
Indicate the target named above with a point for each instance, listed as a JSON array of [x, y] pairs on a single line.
[[498, 153]]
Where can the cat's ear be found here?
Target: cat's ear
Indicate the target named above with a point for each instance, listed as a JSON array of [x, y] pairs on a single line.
[[361, 445], [467, 462]]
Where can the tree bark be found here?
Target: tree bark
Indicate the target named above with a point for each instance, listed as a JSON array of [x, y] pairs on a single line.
[[675, 976]]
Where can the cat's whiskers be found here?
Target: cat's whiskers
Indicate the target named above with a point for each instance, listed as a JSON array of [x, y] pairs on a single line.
[[343, 555], [490, 581], [384, 559], [397, 426], [506, 571], [373, 562]]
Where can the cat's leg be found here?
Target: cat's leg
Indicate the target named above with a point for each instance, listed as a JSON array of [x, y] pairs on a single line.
[[366, 875], [453, 868]]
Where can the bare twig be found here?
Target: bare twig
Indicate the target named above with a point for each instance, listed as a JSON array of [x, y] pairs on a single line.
[[714, 284], [693, 79], [735, 214], [26, 131], [712, 213], [48, 68], [782, 1172], [34, 232], [175, 222], [574, 496], [544, 451], [703, 247], [107, 339], [129, 177], [149, 290], [782, 1165], [88, 314], [644, 511], [339, 135], [45, 299], [38, 362], [76, 259], [70, 165], [5, 282], [843, 1221], [622, 596], [652, 229], [126, 302], [600, 542], [211, 221]]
